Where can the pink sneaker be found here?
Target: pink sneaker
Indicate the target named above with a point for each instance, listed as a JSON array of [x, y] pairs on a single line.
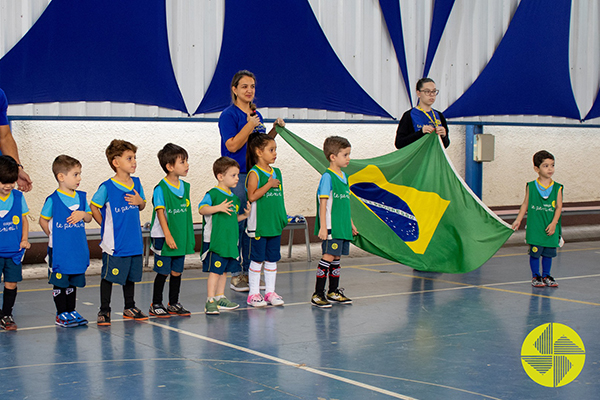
[[274, 299], [256, 300]]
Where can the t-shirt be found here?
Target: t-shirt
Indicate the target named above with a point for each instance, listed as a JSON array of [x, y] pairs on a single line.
[[7, 203], [158, 198], [71, 202]]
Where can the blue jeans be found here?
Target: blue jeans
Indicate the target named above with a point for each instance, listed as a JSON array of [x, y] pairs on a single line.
[[244, 242]]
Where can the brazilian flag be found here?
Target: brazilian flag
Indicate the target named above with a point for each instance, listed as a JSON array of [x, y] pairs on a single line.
[[411, 207]]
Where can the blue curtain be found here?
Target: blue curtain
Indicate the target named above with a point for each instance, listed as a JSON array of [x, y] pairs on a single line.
[[441, 12]]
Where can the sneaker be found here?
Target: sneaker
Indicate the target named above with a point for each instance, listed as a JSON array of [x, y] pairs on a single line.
[[211, 308], [224, 304], [338, 296], [549, 281], [537, 281], [273, 299], [8, 323], [78, 318], [319, 300], [256, 300], [134, 313], [159, 311], [66, 320], [103, 318], [239, 283], [178, 309]]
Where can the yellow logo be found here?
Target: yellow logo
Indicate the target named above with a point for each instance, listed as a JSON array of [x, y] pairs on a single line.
[[534, 249], [115, 271], [553, 204], [16, 220], [553, 355], [58, 275], [159, 263], [218, 264], [187, 202], [334, 246], [257, 237]]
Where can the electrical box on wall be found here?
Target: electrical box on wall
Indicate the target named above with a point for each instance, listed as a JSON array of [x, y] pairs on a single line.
[[483, 149]]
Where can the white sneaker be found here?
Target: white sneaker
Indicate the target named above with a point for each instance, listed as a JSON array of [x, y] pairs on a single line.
[[274, 299], [256, 300]]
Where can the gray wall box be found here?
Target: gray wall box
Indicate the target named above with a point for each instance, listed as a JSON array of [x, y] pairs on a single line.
[[484, 147]]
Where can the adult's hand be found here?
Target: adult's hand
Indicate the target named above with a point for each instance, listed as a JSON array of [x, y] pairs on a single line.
[[24, 181]]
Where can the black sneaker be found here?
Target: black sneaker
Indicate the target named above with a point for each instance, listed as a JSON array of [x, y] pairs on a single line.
[[319, 300], [8, 323], [134, 313], [159, 311], [178, 309], [103, 318]]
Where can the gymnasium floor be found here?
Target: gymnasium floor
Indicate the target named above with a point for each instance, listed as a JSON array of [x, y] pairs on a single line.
[[407, 335]]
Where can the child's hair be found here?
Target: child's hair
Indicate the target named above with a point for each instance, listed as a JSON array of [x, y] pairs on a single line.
[[236, 80], [9, 169], [423, 81], [256, 141], [169, 155], [116, 148], [540, 156], [63, 164], [333, 145], [222, 164]]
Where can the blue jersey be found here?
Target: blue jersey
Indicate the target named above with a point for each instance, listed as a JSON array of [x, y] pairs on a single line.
[[3, 109], [12, 212]]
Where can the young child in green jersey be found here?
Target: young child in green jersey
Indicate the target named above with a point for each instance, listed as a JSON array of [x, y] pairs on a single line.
[[334, 224], [220, 252], [267, 218], [172, 230], [543, 205]]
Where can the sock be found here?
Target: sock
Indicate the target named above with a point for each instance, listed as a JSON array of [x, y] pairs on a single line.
[[322, 272], [534, 264], [334, 275], [10, 295], [174, 287], [128, 294], [159, 286], [105, 295], [270, 276], [209, 299], [219, 297], [71, 298], [254, 277], [60, 299], [546, 265]]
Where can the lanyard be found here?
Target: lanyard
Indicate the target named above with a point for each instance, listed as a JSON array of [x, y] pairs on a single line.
[[434, 120]]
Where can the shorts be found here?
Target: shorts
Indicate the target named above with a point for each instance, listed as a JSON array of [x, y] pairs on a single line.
[[12, 272], [537, 251], [265, 249], [165, 264], [122, 269], [336, 247], [65, 281], [212, 262]]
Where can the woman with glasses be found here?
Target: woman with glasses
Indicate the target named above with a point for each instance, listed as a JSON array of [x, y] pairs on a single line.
[[422, 119]]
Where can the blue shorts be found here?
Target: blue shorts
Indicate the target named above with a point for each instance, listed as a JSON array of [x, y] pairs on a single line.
[[265, 249], [122, 269], [12, 272], [165, 264], [336, 247], [539, 251], [212, 262], [65, 281]]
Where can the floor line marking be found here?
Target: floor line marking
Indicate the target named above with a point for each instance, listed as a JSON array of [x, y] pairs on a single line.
[[284, 362]]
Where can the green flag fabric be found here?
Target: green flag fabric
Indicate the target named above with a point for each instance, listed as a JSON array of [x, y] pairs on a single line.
[[411, 207]]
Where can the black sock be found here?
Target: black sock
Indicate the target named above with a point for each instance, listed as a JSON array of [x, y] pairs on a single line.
[[322, 272], [174, 287], [71, 292], [334, 275], [105, 295], [60, 299], [10, 295], [159, 286], [128, 294]]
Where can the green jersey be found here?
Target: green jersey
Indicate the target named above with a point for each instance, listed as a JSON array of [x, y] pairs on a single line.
[[221, 231], [337, 213], [267, 214], [540, 213]]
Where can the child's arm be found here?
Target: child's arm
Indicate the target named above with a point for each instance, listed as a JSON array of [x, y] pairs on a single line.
[[243, 216], [24, 238], [323, 218], [254, 193], [96, 214], [354, 230], [44, 223], [522, 211], [273, 131], [550, 229], [135, 200], [162, 219], [225, 206], [77, 216]]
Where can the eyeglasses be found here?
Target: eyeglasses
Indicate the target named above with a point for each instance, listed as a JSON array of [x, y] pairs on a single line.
[[430, 92]]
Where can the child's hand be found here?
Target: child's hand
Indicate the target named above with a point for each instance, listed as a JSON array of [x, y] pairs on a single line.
[[274, 183], [75, 217], [170, 241], [247, 209], [134, 199], [323, 233], [24, 245], [354, 230], [516, 224], [427, 129], [226, 207], [550, 229]]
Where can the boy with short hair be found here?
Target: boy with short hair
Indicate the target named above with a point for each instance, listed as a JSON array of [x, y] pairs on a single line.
[[14, 232], [220, 253], [334, 224], [116, 207], [63, 219], [543, 205], [172, 230]]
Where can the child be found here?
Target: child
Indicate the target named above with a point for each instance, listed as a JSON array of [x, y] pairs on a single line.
[[63, 218], [14, 231], [116, 207], [334, 224], [220, 253], [543, 205], [267, 218], [175, 227]]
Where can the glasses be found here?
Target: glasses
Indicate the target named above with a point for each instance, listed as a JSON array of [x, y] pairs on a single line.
[[430, 92]]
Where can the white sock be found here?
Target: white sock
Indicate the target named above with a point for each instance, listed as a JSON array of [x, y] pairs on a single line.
[[270, 276], [254, 277]]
